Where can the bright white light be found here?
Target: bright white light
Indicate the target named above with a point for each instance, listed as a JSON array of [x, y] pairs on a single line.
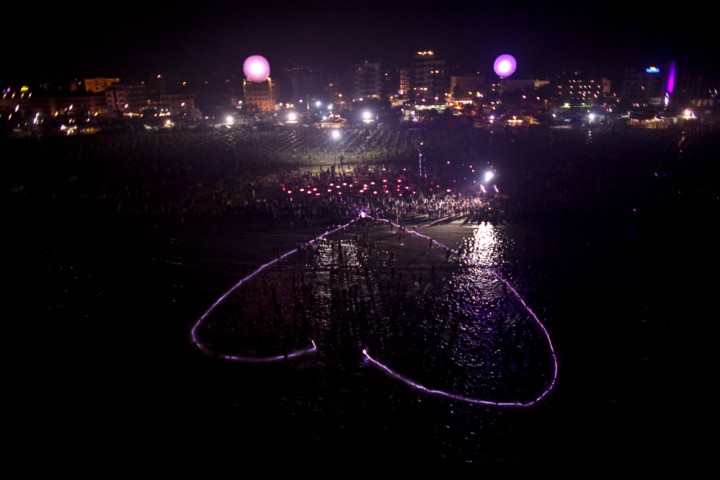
[[330, 106], [367, 115], [318, 104], [335, 134], [488, 176], [591, 117], [229, 120], [292, 117]]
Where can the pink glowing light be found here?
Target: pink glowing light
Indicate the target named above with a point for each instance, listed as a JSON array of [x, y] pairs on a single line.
[[381, 366], [505, 65], [256, 68], [240, 358], [670, 81], [461, 398]]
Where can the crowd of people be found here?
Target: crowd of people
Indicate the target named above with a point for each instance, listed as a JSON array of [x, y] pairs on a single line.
[[176, 175]]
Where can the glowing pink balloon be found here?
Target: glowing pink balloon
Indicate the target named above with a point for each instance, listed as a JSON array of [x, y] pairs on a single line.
[[256, 68], [505, 65]]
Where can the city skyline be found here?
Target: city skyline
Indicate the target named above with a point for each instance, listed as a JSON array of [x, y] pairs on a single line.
[[191, 38]]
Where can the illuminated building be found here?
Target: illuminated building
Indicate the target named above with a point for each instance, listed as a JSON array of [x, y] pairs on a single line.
[[577, 89], [404, 75], [366, 81], [428, 79], [99, 84], [642, 87], [259, 96]]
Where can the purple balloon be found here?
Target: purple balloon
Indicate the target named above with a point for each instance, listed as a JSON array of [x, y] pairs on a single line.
[[256, 68], [505, 65]]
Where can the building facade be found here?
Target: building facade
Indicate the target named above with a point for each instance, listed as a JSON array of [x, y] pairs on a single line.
[[259, 96], [642, 87], [578, 89], [404, 78], [429, 82], [99, 84], [367, 81]]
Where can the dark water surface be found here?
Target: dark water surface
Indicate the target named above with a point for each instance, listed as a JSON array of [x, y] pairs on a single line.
[[102, 309]]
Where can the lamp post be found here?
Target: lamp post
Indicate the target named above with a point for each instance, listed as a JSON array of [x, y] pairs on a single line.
[[336, 136]]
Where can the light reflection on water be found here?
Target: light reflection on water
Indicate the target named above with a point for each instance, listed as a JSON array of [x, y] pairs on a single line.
[[444, 320]]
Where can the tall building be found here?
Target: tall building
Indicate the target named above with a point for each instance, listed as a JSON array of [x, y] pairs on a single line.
[[404, 89], [642, 87], [428, 79], [259, 96], [99, 84], [367, 81], [578, 89]]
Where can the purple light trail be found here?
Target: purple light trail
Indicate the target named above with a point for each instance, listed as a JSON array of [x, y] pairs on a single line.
[[440, 393], [240, 358], [463, 398]]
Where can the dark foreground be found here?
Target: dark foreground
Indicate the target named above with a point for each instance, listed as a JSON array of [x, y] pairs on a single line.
[[101, 303]]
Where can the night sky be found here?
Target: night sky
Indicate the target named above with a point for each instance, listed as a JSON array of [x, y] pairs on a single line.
[[195, 37]]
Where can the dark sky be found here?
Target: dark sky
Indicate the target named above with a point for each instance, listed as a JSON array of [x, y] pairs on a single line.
[[195, 37]]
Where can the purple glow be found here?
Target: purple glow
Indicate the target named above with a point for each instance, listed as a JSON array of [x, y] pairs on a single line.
[[505, 65], [670, 78], [440, 393], [256, 68], [239, 358], [274, 358], [451, 396], [462, 398]]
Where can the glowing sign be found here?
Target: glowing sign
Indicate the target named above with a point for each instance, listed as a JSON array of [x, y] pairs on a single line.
[[652, 70], [505, 65], [256, 68]]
